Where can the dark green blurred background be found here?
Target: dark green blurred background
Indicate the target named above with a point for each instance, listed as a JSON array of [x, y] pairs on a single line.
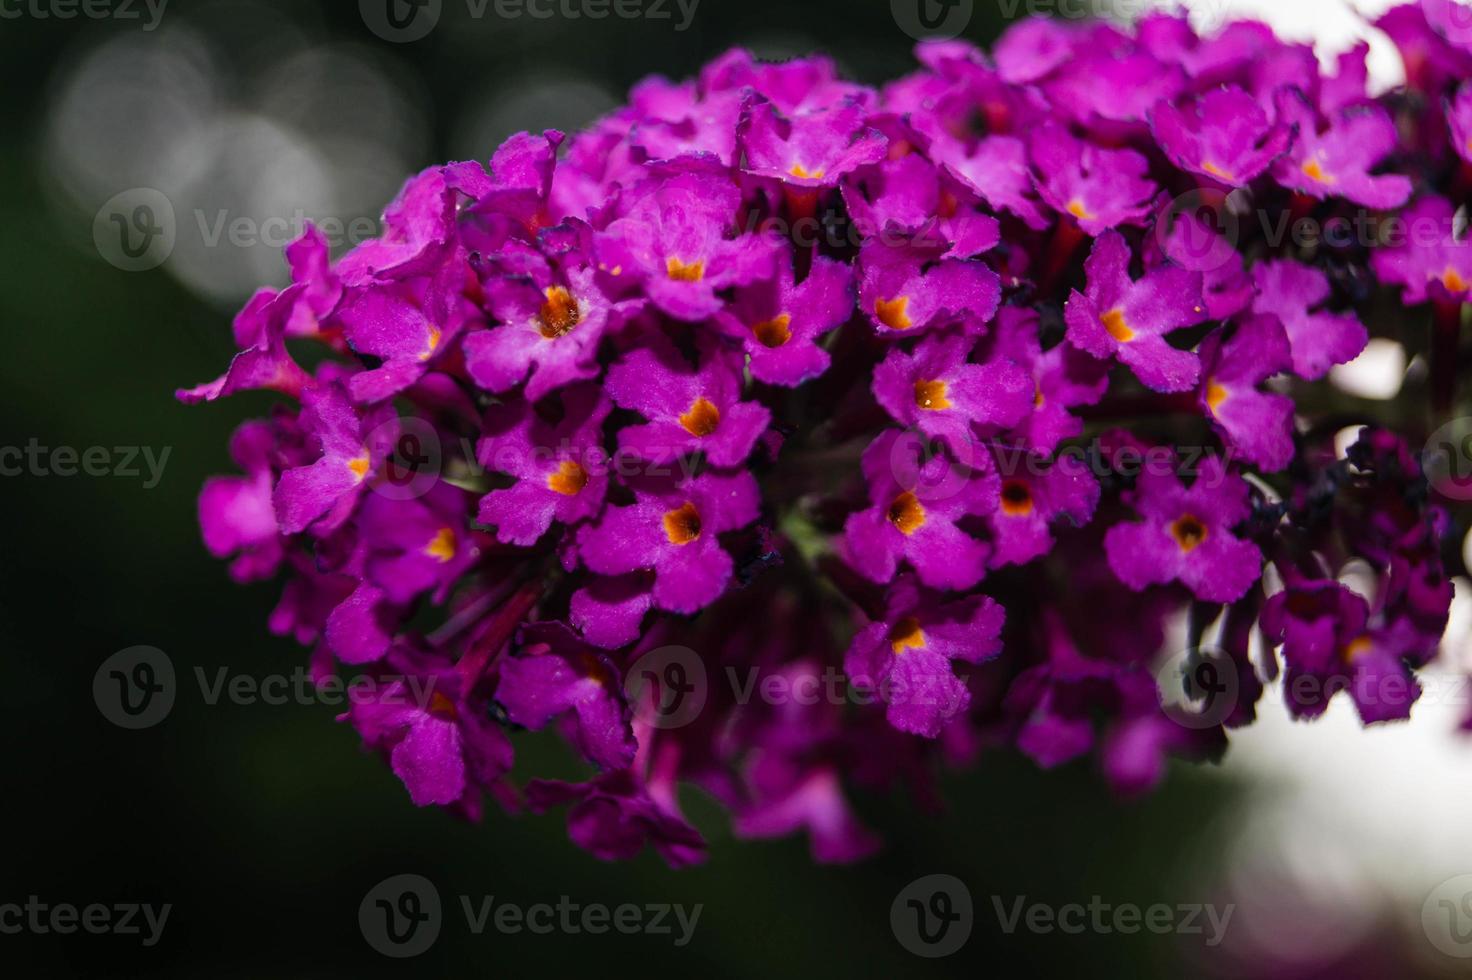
[[264, 826]]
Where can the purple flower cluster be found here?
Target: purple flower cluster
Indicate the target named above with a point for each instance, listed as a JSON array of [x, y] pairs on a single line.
[[927, 401]]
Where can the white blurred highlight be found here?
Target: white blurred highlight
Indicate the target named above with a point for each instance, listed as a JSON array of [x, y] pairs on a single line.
[[245, 135], [1377, 373]]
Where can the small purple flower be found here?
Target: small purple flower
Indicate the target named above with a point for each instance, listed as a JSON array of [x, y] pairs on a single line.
[[614, 816], [1328, 642], [556, 674], [791, 798], [914, 512], [674, 238], [353, 447], [236, 515], [266, 363], [1112, 84], [690, 409], [1459, 120], [1063, 378], [1295, 294], [550, 325], [936, 389], [1336, 161], [417, 228], [996, 168], [609, 611], [904, 291], [910, 198], [444, 748], [1187, 535], [810, 151], [673, 528], [1223, 134], [1099, 188], [1195, 245], [1035, 495], [1257, 424], [560, 469], [907, 656], [1425, 255], [1127, 319], [1031, 49], [780, 323], [404, 325]]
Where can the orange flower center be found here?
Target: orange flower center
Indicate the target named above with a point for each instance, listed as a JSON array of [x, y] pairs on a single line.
[[559, 313], [1188, 531], [441, 706], [442, 546], [906, 635], [893, 312], [931, 395], [1315, 171], [1215, 395], [682, 525], [774, 332], [701, 419], [1115, 323], [1016, 498], [683, 272], [568, 479], [1216, 171], [906, 513], [1356, 648]]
